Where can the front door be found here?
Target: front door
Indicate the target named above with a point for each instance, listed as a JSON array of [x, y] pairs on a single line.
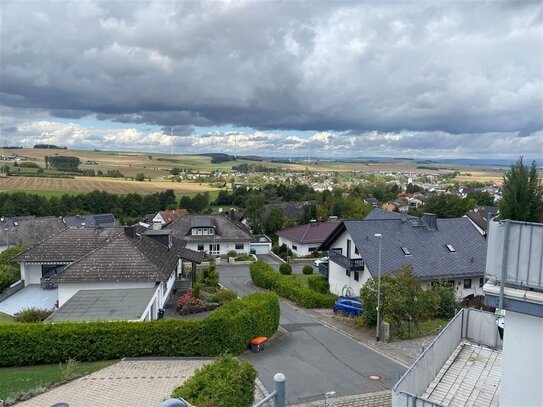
[[214, 249]]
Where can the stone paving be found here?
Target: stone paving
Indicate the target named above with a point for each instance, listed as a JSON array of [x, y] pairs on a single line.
[[134, 383], [377, 399]]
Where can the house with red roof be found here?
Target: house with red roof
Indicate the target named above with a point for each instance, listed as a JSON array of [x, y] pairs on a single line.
[[305, 239]]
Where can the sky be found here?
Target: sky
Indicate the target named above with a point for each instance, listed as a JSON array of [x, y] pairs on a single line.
[[419, 79]]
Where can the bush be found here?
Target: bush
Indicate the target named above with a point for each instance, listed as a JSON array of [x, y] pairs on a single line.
[[224, 295], [318, 284], [285, 269], [33, 315], [263, 275], [232, 253], [8, 275], [209, 277], [189, 302], [226, 330], [28, 164], [224, 383], [307, 269]]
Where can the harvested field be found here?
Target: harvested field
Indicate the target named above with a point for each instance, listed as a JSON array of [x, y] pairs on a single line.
[[88, 184]]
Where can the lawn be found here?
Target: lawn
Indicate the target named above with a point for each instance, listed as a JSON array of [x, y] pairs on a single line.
[[6, 319], [15, 380]]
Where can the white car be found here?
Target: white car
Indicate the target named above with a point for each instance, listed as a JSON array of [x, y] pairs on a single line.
[[321, 260]]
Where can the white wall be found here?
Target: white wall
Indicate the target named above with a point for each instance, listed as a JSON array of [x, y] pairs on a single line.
[[337, 275], [68, 290], [459, 289], [225, 246], [301, 249], [31, 273], [261, 248], [522, 361]]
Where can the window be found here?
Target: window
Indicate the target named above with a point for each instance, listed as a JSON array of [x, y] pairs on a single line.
[[200, 247], [349, 248], [200, 231], [211, 231], [240, 246], [164, 289], [294, 247], [467, 283], [406, 251], [356, 276], [337, 250], [348, 273], [356, 250], [450, 248], [481, 282], [312, 249]]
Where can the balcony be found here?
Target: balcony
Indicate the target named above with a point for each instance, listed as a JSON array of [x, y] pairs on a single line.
[[514, 254], [345, 262], [323, 269]]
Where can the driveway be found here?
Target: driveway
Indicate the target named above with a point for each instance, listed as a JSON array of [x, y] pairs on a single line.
[[134, 383], [314, 358]]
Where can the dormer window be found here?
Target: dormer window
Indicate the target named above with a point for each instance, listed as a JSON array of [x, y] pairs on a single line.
[[450, 248], [406, 251]]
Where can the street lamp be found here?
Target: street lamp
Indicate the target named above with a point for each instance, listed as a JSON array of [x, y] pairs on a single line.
[[379, 290]]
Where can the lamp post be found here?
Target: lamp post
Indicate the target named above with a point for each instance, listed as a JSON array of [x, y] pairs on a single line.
[[379, 290]]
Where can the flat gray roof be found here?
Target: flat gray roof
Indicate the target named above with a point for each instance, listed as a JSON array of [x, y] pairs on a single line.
[[104, 305]]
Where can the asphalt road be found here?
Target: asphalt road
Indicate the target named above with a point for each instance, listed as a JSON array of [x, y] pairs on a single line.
[[314, 358]]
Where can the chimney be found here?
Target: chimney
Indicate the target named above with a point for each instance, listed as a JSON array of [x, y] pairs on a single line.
[[130, 231], [429, 220]]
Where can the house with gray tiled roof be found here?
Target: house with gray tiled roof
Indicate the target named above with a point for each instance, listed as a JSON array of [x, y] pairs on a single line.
[[306, 239], [27, 230], [215, 234], [76, 260], [450, 250]]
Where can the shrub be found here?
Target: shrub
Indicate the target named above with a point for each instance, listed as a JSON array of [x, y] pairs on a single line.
[[263, 275], [224, 383], [209, 277], [307, 269], [224, 295], [232, 253], [243, 257], [226, 330], [28, 164], [318, 284], [8, 275], [188, 302], [33, 315], [285, 269]]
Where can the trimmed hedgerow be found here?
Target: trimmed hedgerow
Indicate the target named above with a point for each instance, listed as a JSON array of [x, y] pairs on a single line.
[[263, 275], [307, 269], [318, 284], [227, 330], [285, 269], [225, 382]]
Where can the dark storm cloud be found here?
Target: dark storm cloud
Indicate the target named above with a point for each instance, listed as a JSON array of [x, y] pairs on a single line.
[[456, 67]]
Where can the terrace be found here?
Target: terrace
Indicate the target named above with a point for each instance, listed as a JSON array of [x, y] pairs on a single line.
[[31, 296]]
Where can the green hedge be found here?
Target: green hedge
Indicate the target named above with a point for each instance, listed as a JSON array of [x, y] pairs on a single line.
[[227, 330], [226, 382], [318, 284], [263, 275]]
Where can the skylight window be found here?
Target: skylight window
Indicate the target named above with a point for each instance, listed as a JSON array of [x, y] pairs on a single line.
[[406, 251], [450, 248]]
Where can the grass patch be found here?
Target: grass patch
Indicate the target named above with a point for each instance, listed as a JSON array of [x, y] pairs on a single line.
[[6, 319], [17, 380], [425, 328], [301, 278]]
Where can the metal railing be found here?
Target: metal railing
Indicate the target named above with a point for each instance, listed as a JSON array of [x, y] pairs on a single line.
[[468, 324], [345, 262], [323, 269], [278, 393], [515, 253]]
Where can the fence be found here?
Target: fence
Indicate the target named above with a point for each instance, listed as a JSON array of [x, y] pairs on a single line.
[[468, 324]]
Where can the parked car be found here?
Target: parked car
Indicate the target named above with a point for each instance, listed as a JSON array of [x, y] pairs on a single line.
[[349, 306], [321, 260]]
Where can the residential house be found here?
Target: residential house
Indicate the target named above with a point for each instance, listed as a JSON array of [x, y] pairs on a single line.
[[103, 220], [378, 213], [479, 217], [215, 234], [292, 211], [472, 363], [27, 230], [395, 206], [449, 250], [261, 244], [83, 259], [372, 201], [163, 218], [306, 239]]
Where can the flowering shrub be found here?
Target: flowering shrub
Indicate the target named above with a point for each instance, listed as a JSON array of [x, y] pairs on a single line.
[[189, 302]]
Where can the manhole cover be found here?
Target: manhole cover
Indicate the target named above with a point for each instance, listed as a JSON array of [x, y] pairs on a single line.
[[374, 377]]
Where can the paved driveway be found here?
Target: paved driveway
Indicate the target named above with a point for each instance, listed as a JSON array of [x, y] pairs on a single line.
[[134, 383], [314, 358]]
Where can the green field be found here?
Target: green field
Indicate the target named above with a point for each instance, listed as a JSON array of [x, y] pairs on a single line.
[[6, 319], [14, 380]]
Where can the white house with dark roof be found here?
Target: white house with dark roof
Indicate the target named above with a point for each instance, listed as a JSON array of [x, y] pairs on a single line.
[[27, 230], [306, 239], [215, 234], [450, 250], [76, 260]]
